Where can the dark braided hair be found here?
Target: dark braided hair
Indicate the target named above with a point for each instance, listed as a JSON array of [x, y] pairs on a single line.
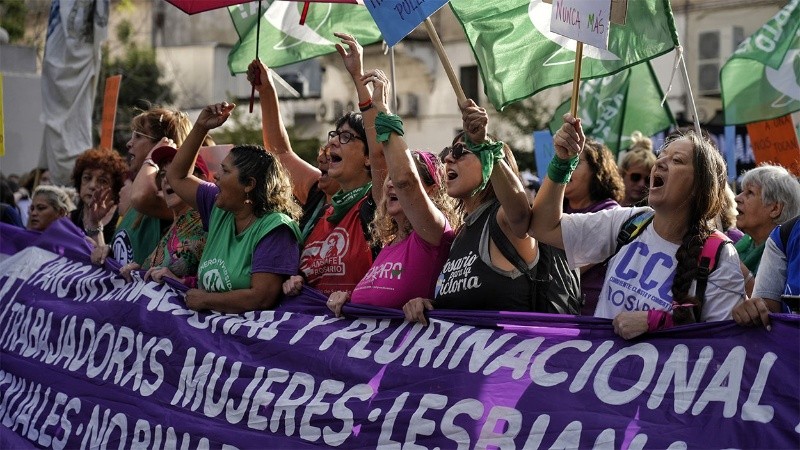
[[273, 189], [706, 203]]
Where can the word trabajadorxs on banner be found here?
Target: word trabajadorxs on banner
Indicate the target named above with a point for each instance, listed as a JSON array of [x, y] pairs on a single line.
[[90, 361]]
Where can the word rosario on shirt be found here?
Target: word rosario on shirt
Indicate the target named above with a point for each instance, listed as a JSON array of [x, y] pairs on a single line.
[[456, 276]]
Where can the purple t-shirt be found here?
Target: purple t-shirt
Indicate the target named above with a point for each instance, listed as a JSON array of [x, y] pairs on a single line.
[[404, 270], [277, 252]]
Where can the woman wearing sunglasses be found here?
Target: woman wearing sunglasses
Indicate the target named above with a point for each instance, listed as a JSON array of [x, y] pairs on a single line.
[[635, 170], [482, 177], [413, 222], [336, 252]]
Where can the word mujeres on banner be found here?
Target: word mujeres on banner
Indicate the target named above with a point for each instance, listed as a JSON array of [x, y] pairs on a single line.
[[132, 367]]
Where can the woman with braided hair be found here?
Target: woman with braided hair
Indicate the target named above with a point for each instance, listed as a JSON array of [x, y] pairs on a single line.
[[651, 282]]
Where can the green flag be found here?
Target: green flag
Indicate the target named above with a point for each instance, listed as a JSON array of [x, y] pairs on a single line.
[[761, 81], [284, 41], [518, 55], [613, 107]]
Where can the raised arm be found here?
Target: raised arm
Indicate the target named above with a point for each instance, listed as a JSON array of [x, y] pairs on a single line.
[[276, 138], [549, 203], [144, 191], [419, 209], [352, 56], [179, 173]]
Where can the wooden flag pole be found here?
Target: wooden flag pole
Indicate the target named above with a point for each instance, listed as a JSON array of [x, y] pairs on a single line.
[[448, 68], [576, 80], [258, 33]]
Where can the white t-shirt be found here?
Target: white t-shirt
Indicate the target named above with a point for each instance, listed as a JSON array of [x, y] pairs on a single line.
[[639, 276]]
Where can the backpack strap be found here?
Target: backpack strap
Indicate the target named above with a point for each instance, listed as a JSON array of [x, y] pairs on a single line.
[[786, 231], [630, 229], [506, 247], [707, 261]]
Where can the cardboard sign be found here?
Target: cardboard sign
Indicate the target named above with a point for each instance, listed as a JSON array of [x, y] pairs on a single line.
[[619, 10], [397, 18], [775, 141], [585, 21], [109, 111]]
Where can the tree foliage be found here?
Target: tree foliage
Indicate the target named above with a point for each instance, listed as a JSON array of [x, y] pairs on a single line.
[[12, 18], [245, 128], [525, 117]]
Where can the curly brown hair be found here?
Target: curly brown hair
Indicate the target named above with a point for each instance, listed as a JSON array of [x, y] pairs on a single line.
[[606, 181], [101, 158], [706, 203], [273, 190], [384, 229]]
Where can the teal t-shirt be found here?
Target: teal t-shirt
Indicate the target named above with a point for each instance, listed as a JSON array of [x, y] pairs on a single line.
[[227, 259], [136, 237], [749, 253]]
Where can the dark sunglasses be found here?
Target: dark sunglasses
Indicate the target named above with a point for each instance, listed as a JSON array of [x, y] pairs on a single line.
[[637, 177], [344, 136], [457, 150]]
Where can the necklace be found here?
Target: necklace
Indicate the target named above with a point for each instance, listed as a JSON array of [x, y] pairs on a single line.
[[249, 222]]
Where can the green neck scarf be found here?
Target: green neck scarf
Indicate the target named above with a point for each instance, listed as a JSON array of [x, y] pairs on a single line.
[[489, 153], [343, 201]]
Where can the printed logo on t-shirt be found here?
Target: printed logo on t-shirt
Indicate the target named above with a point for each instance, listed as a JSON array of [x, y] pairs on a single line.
[[457, 276], [214, 276], [122, 247], [326, 257], [386, 271], [641, 279]]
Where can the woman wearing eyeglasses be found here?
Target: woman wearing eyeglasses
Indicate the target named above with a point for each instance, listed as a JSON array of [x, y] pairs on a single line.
[[412, 223], [144, 223], [250, 216], [336, 252]]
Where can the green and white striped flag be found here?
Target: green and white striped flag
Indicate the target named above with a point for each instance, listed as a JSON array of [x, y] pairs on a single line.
[[284, 41], [613, 107], [761, 81], [519, 56]]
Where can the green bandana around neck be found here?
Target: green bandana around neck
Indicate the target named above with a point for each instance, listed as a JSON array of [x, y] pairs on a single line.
[[343, 201]]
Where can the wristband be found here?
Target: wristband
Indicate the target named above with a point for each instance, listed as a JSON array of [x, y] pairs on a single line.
[[560, 170], [365, 103], [151, 163], [385, 124], [658, 319], [364, 109], [94, 231]]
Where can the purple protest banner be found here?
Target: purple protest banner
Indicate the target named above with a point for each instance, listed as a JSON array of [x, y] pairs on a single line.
[[89, 360]]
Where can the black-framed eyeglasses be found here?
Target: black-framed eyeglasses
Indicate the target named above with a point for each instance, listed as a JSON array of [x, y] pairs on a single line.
[[344, 136], [637, 177], [457, 150]]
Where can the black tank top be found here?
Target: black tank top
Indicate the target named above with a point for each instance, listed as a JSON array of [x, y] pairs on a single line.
[[467, 282]]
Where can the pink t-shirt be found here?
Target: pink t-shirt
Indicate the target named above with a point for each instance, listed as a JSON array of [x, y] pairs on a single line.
[[403, 271]]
